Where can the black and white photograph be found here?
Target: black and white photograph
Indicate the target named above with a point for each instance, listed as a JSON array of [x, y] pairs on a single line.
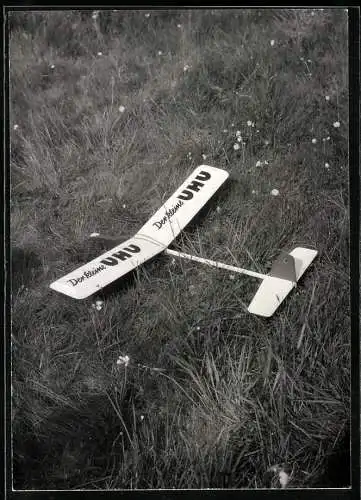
[[180, 248]]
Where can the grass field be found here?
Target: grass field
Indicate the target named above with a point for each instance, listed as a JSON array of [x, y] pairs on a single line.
[[110, 111]]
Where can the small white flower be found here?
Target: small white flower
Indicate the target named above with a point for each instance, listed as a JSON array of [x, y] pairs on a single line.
[[95, 14], [218, 209], [98, 305], [259, 163], [249, 123], [238, 133], [141, 418], [327, 165], [272, 42], [266, 142], [328, 138], [283, 478], [160, 52], [225, 130], [327, 97], [179, 25], [121, 109], [94, 235], [123, 360], [16, 126], [275, 192], [232, 124], [100, 53], [204, 156], [236, 146], [52, 66], [172, 261], [254, 191], [189, 154], [239, 139], [266, 162], [314, 141], [231, 277], [309, 60], [147, 14], [336, 124], [186, 67], [302, 59], [124, 205], [198, 328]]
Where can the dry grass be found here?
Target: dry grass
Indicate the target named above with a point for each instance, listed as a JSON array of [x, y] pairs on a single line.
[[212, 397]]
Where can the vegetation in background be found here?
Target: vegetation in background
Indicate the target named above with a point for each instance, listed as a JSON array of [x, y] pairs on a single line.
[[168, 381]]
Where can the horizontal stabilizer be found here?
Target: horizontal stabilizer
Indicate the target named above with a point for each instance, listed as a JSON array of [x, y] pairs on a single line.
[[275, 287], [152, 239]]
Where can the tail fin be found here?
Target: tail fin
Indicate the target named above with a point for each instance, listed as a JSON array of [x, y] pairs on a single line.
[[280, 281]]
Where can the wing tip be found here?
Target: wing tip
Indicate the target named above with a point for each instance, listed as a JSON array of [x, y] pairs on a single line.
[[259, 313]]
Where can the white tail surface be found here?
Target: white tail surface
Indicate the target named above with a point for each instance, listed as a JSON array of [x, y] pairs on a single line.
[[273, 290], [152, 239]]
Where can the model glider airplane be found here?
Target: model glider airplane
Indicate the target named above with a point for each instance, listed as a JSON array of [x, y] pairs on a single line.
[[159, 232]]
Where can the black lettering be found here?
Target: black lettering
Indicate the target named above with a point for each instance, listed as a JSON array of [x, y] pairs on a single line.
[[159, 224], [195, 186], [203, 176], [109, 261], [92, 272], [121, 255], [185, 195], [133, 248]]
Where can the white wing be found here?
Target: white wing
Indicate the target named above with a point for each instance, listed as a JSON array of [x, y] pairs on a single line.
[[152, 239]]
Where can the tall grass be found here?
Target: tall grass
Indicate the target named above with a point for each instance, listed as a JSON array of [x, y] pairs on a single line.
[[110, 111]]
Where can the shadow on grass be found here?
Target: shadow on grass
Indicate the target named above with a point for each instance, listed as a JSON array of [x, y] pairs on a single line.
[[338, 466], [73, 445], [25, 265]]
